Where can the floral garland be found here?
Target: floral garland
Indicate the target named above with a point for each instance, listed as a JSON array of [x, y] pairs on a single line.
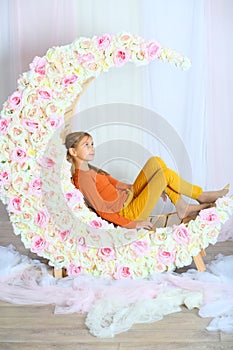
[[50, 215]]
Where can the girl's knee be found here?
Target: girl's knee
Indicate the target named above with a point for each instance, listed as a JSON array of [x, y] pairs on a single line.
[[156, 159]]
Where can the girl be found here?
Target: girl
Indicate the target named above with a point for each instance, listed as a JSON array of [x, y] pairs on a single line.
[[130, 205]]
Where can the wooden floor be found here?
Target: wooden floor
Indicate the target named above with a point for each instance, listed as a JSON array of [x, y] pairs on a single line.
[[37, 328]]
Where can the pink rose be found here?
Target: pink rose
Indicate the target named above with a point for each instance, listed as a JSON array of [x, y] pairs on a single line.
[[104, 41], [69, 80], [122, 272], [107, 253], [74, 270], [152, 50], [86, 57], [34, 187], [45, 94], [98, 223], [140, 248], [19, 155], [64, 235], [210, 216], [4, 124], [39, 244], [14, 101], [46, 162], [165, 257], [31, 126], [41, 218], [74, 197], [181, 234], [4, 178], [38, 65], [14, 205], [56, 121], [120, 57]]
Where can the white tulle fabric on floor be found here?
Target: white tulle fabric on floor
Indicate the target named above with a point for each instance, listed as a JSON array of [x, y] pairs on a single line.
[[114, 306]]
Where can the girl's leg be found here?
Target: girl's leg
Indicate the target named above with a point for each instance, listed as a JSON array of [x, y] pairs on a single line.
[[212, 196], [197, 193], [141, 206], [175, 185], [155, 178], [148, 171]]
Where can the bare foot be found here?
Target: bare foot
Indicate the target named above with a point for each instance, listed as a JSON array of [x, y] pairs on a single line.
[[212, 196], [184, 209]]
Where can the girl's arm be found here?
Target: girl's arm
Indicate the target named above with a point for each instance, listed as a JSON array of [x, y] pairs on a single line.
[[118, 184], [117, 219]]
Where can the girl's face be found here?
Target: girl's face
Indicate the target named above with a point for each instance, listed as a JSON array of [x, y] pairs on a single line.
[[85, 150]]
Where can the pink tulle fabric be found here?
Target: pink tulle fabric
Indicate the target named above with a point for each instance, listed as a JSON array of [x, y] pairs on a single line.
[[114, 306]]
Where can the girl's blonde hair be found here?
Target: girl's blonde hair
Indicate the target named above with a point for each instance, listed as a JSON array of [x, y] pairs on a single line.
[[72, 140]]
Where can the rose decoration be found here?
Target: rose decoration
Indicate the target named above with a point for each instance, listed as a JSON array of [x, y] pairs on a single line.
[[210, 216], [181, 234], [122, 272], [107, 254]]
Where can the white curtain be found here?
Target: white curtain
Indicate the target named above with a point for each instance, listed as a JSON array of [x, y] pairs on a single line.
[[178, 96], [197, 103], [192, 125], [219, 92], [28, 29]]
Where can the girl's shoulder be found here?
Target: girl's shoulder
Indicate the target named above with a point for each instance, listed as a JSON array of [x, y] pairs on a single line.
[[98, 170]]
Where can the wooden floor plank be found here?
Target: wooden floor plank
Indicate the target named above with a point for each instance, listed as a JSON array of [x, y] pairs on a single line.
[[177, 346], [56, 321], [55, 346], [70, 335], [227, 338]]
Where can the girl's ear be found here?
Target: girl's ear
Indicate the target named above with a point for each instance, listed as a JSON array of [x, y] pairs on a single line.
[[72, 152]]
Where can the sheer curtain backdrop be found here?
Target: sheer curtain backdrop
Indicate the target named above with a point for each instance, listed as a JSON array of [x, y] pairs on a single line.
[[219, 92], [178, 96], [197, 103]]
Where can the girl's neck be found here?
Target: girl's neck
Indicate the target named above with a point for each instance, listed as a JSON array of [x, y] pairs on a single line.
[[82, 166]]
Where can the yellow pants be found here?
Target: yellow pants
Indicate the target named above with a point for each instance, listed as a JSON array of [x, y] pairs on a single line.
[[153, 179]]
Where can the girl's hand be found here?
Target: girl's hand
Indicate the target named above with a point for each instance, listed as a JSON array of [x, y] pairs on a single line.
[[164, 196], [123, 186], [144, 224]]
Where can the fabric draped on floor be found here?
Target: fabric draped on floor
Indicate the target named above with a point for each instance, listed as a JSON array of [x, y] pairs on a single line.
[[113, 306]]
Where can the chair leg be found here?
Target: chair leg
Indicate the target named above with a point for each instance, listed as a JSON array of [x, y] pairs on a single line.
[[57, 273], [199, 262], [203, 253]]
